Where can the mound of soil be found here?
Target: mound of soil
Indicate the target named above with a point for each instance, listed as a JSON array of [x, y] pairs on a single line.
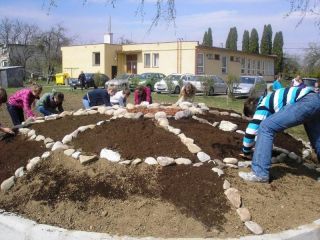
[[15, 153], [138, 200], [168, 111], [132, 139], [57, 129]]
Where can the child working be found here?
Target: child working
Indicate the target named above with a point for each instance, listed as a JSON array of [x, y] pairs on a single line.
[[142, 94], [49, 102], [3, 99], [120, 98], [187, 93]]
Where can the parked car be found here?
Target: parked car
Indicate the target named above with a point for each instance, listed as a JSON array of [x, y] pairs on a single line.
[[217, 85], [121, 81], [89, 81], [254, 86], [310, 82], [176, 79], [146, 79]]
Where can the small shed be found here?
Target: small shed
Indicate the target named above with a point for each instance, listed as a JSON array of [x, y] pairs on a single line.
[[11, 76]]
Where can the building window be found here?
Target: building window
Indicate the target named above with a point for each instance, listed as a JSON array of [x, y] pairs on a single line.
[[224, 69], [231, 58], [249, 66], [258, 67], [243, 65], [216, 57], [210, 56], [253, 66], [200, 63], [155, 62], [147, 61], [96, 58], [263, 68], [4, 63]]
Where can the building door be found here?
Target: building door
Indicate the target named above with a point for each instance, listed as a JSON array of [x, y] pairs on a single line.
[[132, 63], [114, 71]]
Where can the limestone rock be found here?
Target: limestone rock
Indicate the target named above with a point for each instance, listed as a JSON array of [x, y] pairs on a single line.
[[38, 121], [293, 156], [184, 161], [83, 128], [109, 112], [129, 115], [254, 227], [144, 104], [281, 157], [136, 161], [91, 112], [65, 113], [87, 159], [215, 124], [31, 133], [159, 115], [240, 132], [76, 155], [230, 160], [91, 126], [310, 166], [110, 155], [201, 120], [226, 185], [234, 197], [138, 115], [125, 162], [49, 145], [67, 139], [7, 184], [45, 155], [102, 109], [24, 131], [224, 113], [186, 140], [39, 138], [185, 105], [19, 172], [218, 171], [69, 152], [33, 137], [193, 148], [197, 164], [59, 145], [130, 106], [153, 105], [203, 157], [165, 161], [229, 165], [244, 214], [281, 150], [163, 122], [32, 163], [306, 153], [48, 140], [51, 117], [183, 114], [149, 115], [235, 115], [151, 161], [244, 164], [173, 130], [116, 107], [215, 112], [227, 126], [100, 123]]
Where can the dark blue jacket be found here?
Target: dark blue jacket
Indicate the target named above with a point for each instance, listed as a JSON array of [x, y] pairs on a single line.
[[98, 97]]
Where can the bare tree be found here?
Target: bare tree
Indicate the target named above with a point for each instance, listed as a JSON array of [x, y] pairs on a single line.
[[312, 60], [305, 7]]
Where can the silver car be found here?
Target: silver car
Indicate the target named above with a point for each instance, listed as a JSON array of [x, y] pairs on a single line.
[[121, 81], [250, 86], [217, 85], [176, 79]]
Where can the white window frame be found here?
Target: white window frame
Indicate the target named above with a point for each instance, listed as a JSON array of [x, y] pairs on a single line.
[[224, 69], [199, 66], [147, 56], [155, 60], [94, 63]]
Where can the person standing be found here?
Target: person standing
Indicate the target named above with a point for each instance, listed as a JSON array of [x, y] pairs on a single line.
[[82, 80]]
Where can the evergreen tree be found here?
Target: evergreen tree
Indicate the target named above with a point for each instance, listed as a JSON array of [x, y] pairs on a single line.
[[232, 39], [254, 41], [266, 40], [269, 30], [209, 41], [278, 50], [245, 41], [205, 39]]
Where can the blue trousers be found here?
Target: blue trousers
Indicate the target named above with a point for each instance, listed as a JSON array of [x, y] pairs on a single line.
[[85, 103], [305, 111], [16, 114], [45, 111]]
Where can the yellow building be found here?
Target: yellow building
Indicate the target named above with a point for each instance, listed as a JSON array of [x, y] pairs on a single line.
[[164, 57]]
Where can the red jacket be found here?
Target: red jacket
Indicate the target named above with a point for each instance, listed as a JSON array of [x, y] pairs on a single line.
[[145, 96]]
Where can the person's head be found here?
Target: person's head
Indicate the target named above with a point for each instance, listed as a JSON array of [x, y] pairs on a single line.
[[250, 106], [36, 89], [126, 92], [140, 89], [58, 97], [298, 78], [3, 96], [111, 90], [188, 90]]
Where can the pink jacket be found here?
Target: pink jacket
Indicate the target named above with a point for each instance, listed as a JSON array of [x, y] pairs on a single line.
[[23, 99], [145, 96]]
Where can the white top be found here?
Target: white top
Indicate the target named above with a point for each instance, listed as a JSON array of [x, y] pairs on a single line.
[[295, 83], [118, 99]]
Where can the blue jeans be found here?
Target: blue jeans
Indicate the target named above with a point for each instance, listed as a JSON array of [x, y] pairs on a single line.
[[85, 103], [16, 114], [305, 111], [45, 111]]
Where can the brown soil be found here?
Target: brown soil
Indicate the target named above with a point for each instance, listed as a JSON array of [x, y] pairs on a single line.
[[282, 140], [168, 111], [57, 129], [133, 139], [175, 201], [15, 153]]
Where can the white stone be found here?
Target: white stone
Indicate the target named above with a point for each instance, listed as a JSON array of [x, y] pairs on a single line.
[[240, 132], [83, 128], [215, 124], [19, 172], [69, 152], [183, 114], [154, 105], [32, 163], [151, 161], [254, 227], [310, 166], [120, 112], [203, 157], [159, 115], [229, 165], [136, 161], [87, 159], [109, 112], [74, 134], [197, 164], [116, 107], [230, 160], [51, 117], [244, 164], [100, 123], [125, 162], [235, 115], [48, 140], [38, 121], [281, 157], [184, 161], [224, 113], [91, 126], [306, 153], [31, 133], [187, 140], [67, 139], [59, 145], [45, 155], [76, 155], [293, 156], [91, 112], [193, 148], [102, 109], [33, 137], [281, 150], [226, 185], [195, 110], [215, 112], [49, 145], [144, 104], [227, 126], [244, 214], [218, 171], [165, 161], [65, 113], [318, 169], [234, 196], [39, 138], [130, 106], [138, 115], [7, 184], [185, 104], [163, 122], [129, 115], [110, 155], [24, 131], [149, 115]]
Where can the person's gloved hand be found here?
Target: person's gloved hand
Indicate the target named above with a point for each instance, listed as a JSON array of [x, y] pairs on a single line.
[[246, 156], [7, 130]]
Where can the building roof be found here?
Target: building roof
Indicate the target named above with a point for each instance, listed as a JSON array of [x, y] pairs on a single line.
[[10, 67]]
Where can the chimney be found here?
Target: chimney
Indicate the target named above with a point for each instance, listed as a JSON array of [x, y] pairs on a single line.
[[108, 37]]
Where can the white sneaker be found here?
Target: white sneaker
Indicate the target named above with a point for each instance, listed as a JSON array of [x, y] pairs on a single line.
[[251, 177]]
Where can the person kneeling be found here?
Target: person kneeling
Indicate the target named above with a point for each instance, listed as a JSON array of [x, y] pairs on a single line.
[[50, 103], [120, 98]]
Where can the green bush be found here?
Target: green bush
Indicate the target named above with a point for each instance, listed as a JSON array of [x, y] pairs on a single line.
[[232, 81], [206, 83], [97, 79]]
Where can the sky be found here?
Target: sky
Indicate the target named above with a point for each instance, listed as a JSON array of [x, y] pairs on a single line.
[[87, 22]]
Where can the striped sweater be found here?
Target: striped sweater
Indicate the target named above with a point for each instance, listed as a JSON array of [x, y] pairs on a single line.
[[269, 105]]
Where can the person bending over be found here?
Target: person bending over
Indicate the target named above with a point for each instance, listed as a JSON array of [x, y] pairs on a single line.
[[142, 94], [96, 97], [187, 93], [3, 99], [120, 98], [50, 103]]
